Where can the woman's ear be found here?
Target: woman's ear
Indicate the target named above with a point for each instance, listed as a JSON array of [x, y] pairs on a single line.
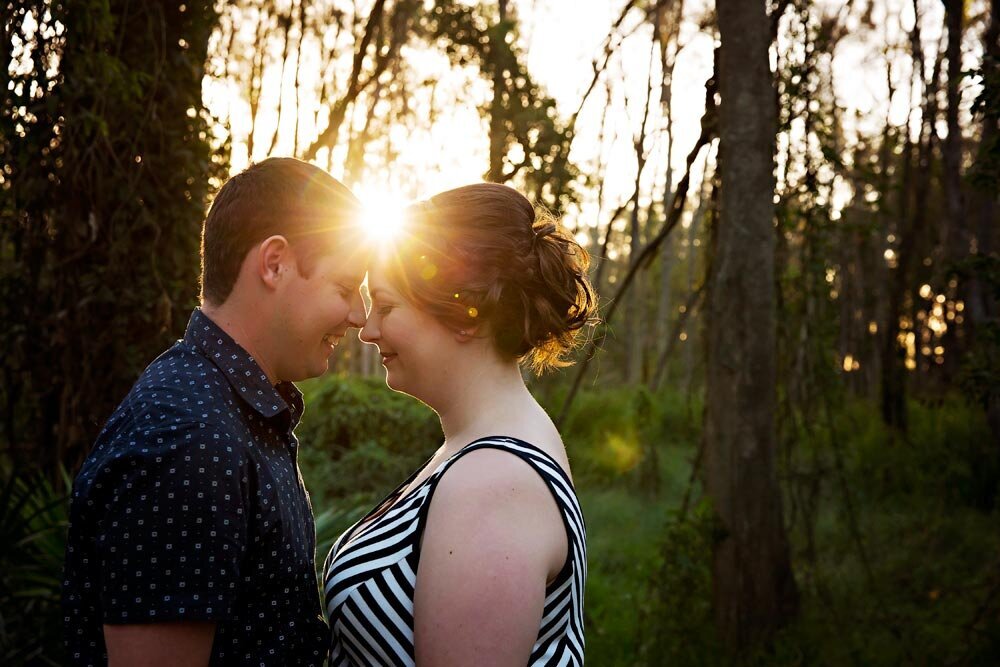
[[466, 334], [274, 259]]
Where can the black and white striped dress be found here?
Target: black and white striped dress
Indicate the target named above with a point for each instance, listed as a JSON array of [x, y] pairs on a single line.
[[370, 574]]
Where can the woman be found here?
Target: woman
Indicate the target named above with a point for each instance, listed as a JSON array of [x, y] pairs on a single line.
[[479, 558]]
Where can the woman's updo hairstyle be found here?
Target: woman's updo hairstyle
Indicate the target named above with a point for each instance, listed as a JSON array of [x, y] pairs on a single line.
[[481, 255]]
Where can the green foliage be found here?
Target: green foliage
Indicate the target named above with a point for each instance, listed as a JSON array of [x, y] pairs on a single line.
[[107, 166], [897, 556], [619, 432], [648, 590], [33, 533], [677, 624], [906, 572], [360, 440], [949, 457], [980, 372], [622, 552], [648, 595]]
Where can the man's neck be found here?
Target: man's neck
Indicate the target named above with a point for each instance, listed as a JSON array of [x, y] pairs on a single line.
[[231, 320]]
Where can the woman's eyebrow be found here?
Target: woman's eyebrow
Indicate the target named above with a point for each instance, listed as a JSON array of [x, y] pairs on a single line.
[[348, 281]]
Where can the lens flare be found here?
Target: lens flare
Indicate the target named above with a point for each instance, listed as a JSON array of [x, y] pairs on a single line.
[[382, 214]]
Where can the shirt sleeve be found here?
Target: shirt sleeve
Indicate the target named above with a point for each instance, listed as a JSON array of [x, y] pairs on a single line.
[[174, 527]]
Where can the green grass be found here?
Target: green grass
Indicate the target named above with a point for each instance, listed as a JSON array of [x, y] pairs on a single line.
[[622, 552]]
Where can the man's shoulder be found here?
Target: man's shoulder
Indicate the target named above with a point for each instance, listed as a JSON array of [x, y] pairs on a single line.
[[181, 385], [181, 395], [183, 368]]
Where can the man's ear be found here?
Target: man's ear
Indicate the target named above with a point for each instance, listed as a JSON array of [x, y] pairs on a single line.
[[274, 260]]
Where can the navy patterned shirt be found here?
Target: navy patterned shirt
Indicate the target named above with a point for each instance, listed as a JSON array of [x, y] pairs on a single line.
[[191, 507]]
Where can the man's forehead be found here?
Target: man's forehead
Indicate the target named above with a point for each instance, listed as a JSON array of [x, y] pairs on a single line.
[[347, 262]]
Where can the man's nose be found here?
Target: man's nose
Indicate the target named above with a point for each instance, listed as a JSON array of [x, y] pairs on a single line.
[[356, 317]]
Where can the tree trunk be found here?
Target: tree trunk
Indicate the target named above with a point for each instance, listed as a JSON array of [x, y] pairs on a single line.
[[981, 306], [754, 592], [987, 223], [912, 230], [704, 206], [952, 150], [668, 47], [956, 236], [498, 137]]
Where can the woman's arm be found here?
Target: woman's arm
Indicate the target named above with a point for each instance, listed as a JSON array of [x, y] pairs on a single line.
[[493, 538]]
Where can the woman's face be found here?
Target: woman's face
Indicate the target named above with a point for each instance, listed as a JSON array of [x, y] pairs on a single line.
[[417, 350]]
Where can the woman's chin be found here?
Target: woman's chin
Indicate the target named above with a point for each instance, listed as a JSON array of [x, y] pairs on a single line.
[[393, 382], [399, 387]]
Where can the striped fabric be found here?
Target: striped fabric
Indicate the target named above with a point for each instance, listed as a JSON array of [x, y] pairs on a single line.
[[370, 574]]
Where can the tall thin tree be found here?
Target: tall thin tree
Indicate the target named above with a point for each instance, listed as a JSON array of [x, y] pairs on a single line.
[[754, 592]]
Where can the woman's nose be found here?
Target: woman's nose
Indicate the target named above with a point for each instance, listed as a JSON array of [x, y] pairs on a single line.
[[369, 332]]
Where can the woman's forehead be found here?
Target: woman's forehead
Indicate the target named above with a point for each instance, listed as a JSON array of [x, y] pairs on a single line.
[[378, 282]]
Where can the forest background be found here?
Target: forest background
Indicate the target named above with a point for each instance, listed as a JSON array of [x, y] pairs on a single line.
[[785, 430]]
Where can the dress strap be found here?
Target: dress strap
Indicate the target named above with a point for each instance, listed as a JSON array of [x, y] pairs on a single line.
[[552, 474]]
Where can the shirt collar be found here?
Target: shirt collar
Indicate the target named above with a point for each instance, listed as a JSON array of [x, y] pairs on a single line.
[[244, 374]]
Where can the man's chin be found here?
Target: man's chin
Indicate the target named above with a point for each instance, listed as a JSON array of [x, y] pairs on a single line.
[[314, 370], [318, 369]]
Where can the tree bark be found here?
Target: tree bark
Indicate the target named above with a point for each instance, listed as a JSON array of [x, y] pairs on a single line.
[[667, 37], [498, 136], [956, 236], [986, 230], [754, 592], [981, 306], [952, 149], [911, 229]]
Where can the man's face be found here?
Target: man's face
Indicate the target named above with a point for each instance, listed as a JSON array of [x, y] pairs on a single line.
[[316, 311]]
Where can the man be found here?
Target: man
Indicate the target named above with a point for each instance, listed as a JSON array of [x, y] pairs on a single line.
[[191, 536]]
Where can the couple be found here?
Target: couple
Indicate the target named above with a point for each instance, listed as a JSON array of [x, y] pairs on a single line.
[[191, 536]]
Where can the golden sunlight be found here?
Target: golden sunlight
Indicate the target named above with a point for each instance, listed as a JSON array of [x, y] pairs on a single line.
[[382, 216]]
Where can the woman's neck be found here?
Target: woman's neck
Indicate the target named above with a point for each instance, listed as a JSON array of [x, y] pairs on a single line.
[[490, 398]]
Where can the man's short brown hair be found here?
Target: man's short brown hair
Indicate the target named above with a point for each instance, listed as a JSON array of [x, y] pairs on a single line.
[[282, 196]]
